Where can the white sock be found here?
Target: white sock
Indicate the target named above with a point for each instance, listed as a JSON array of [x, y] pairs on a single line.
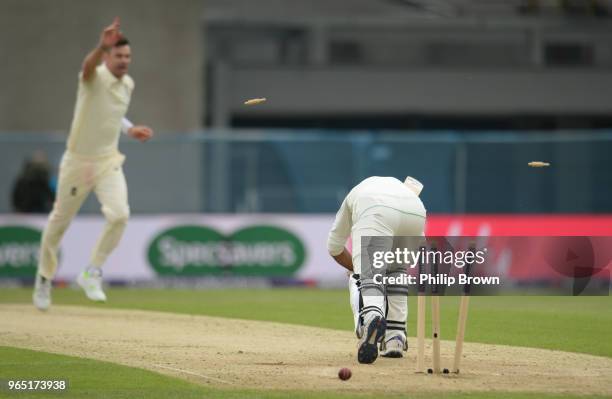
[[373, 305]]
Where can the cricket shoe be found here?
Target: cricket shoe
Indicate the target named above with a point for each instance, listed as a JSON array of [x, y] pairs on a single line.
[[373, 331], [42, 293], [394, 347], [90, 280]]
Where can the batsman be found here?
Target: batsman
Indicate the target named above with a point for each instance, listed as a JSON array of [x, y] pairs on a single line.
[[379, 214], [92, 162]]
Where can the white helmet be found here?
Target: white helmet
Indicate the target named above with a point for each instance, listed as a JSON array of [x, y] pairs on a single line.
[[414, 185]]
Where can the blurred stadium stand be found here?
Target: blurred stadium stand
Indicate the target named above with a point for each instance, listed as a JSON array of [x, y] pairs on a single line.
[[401, 64], [411, 65], [355, 88]]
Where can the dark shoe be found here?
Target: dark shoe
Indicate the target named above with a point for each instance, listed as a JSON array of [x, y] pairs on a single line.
[[373, 332]]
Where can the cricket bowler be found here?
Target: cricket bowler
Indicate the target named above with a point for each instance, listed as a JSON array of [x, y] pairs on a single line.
[[382, 210], [92, 162]]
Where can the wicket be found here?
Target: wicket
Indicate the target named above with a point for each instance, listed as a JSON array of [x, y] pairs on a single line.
[[461, 322], [421, 304], [435, 322]]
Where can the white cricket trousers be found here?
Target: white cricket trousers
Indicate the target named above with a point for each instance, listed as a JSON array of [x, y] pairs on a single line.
[[78, 176], [384, 229]]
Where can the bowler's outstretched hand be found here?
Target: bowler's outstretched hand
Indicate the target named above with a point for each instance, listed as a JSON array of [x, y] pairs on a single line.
[[141, 133], [110, 35]]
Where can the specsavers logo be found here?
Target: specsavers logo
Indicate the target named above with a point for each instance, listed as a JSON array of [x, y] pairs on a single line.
[[251, 251], [19, 248]]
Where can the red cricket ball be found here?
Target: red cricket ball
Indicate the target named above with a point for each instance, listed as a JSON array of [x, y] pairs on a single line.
[[344, 374]]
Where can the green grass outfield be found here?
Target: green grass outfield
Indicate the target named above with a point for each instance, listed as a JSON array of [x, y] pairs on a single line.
[[577, 324]]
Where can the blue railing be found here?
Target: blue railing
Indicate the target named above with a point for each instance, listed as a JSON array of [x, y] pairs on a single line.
[[311, 171]]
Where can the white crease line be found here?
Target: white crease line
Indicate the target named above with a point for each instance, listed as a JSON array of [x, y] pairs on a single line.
[[193, 373]]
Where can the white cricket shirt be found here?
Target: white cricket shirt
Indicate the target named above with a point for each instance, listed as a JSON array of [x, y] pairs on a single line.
[[101, 104], [372, 192]]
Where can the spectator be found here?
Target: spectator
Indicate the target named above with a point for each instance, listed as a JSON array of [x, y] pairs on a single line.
[[32, 191]]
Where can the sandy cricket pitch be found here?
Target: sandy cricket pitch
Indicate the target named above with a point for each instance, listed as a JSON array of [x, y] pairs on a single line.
[[263, 355]]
